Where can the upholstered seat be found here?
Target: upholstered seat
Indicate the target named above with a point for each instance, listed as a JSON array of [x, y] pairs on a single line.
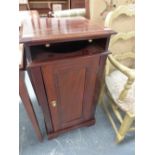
[[115, 82]]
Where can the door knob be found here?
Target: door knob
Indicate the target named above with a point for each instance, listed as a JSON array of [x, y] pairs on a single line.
[[53, 103]]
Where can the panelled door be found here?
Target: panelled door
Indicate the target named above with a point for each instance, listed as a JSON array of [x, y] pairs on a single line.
[[70, 86]]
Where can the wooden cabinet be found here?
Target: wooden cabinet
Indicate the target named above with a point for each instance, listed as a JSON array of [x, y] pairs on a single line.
[[68, 81], [65, 62]]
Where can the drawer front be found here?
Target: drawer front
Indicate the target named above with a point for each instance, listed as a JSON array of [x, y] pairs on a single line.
[[77, 3], [70, 88]]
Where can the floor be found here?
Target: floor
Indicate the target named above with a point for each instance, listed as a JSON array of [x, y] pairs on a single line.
[[98, 139]]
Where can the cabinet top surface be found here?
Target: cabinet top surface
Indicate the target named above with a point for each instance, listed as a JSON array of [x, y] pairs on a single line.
[[37, 30]]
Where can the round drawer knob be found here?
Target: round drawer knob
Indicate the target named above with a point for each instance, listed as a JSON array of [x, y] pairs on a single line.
[[53, 103]]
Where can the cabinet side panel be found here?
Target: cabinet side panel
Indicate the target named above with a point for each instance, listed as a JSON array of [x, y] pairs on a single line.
[[37, 80], [99, 81]]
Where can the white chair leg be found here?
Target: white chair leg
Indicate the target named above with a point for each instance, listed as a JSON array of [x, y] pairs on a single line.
[[126, 124]]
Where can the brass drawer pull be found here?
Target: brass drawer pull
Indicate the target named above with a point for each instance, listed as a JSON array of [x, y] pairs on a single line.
[[53, 103]]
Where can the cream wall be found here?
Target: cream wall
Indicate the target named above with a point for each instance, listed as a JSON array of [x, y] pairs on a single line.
[[97, 7]]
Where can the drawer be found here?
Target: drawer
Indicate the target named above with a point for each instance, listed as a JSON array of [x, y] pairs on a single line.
[[41, 54], [77, 3]]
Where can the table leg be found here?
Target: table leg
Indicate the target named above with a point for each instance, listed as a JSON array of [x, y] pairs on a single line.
[[28, 105]]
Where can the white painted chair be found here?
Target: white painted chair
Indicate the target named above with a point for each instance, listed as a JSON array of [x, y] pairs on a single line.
[[119, 74]]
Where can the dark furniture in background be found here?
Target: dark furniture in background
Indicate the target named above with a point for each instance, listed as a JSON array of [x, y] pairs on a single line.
[[77, 4], [23, 5], [44, 6], [65, 60]]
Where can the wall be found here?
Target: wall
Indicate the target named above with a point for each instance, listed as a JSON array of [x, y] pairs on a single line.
[[99, 8]]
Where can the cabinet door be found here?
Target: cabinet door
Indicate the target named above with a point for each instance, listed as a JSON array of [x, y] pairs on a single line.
[[70, 88]]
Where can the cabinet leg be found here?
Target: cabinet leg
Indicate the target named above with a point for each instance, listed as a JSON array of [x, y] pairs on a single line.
[[92, 123], [28, 105]]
